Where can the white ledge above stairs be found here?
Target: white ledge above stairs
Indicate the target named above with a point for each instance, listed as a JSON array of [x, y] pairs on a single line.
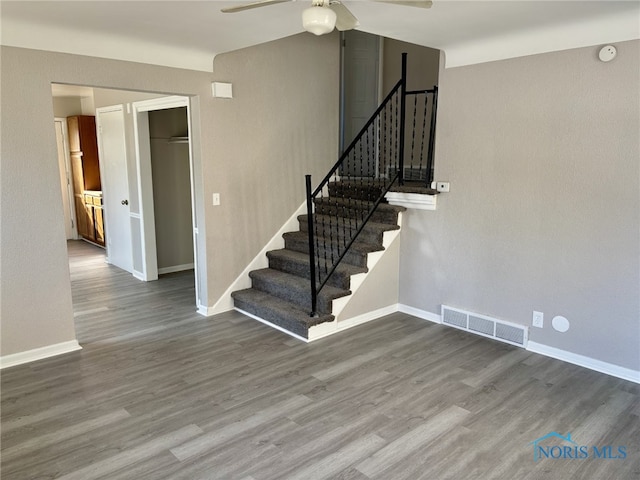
[[419, 201]]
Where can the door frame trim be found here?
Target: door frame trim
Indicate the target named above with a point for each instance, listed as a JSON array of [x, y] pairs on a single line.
[[142, 147], [69, 173]]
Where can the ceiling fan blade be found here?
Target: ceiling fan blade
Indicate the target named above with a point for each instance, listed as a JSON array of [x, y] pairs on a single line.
[[248, 6], [345, 19], [409, 3]]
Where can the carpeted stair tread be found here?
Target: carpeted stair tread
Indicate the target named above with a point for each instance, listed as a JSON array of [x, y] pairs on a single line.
[[384, 213], [360, 204], [363, 189], [277, 311], [297, 263], [281, 294], [344, 227], [294, 289], [358, 246], [413, 187], [356, 255]]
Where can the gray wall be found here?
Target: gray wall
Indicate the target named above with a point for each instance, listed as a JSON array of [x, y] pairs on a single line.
[[423, 65], [281, 124], [542, 153], [255, 150], [171, 187]]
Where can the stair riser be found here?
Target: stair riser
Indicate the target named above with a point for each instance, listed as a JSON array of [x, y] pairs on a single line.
[[290, 326], [373, 236], [378, 216], [354, 258], [302, 270], [301, 299], [370, 194]]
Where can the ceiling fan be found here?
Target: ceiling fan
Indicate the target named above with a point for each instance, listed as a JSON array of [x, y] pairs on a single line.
[[325, 15]]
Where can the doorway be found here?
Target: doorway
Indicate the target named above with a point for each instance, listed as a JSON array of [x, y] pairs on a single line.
[[72, 100], [170, 174], [168, 222], [361, 82]]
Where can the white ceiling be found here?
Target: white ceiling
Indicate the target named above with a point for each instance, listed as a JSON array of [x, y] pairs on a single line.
[[188, 34]]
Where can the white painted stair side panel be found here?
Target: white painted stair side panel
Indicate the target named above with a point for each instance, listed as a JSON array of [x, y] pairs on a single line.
[[374, 294]]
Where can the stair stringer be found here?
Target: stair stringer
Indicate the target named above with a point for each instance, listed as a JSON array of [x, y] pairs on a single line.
[[373, 294], [225, 302]]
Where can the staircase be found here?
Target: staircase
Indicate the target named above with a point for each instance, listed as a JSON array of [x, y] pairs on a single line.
[[280, 294], [347, 217]]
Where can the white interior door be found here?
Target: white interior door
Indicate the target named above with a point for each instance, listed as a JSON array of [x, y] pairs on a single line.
[[115, 185]]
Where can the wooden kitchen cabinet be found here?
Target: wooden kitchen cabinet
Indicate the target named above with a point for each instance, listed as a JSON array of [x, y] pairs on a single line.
[[93, 208]]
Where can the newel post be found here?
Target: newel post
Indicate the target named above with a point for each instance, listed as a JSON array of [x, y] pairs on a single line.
[[312, 253], [403, 110]]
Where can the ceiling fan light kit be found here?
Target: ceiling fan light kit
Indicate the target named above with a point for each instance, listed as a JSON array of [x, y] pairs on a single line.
[[319, 20], [325, 15]]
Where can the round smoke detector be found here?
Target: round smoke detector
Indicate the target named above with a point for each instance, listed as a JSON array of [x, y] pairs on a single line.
[[607, 53]]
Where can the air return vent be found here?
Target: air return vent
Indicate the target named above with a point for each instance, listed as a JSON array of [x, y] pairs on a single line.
[[485, 326]]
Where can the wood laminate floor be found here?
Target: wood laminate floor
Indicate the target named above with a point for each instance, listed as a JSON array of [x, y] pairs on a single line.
[[159, 392]]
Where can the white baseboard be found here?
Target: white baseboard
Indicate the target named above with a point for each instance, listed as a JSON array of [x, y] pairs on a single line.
[[225, 302], [558, 354], [329, 328], [587, 362], [175, 268], [432, 317], [38, 354], [272, 325]]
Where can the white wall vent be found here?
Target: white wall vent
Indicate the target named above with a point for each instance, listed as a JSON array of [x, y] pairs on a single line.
[[485, 326]]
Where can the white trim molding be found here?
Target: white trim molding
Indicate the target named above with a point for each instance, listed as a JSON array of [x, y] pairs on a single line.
[[272, 325], [322, 330], [423, 314], [586, 362], [547, 351], [175, 268], [41, 353], [417, 201]]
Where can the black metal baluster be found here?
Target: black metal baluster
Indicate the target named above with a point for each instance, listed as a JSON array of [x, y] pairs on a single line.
[[424, 131], [396, 135], [432, 136], [322, 247], [366, 191], [413, 131], [385, 170]]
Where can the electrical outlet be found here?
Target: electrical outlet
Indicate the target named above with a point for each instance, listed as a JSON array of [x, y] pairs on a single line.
[[442, 186], [538, 319], [216, 199]]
